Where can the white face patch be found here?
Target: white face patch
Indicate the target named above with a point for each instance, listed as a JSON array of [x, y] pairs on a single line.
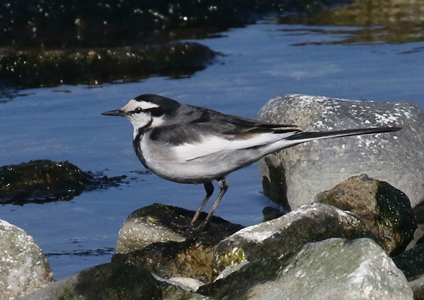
[[141, 118], [133, 104]]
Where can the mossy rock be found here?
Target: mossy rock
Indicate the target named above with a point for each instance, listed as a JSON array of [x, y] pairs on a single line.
[[45, 180]]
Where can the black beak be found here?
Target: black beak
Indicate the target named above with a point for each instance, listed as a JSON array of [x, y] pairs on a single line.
[[116, 112]]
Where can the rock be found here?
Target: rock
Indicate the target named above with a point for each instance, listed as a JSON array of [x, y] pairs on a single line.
[[180, 288], [411, 262], [141, 229], [330, 269], [158, 223], [270, 213], [107, 281], [158, 238], [174, 259], [41, 179], [23, 266], [292, 177], [45, 180], [172, 292], [287, 234], [377, 25], [384, 209], [186, 283], [417, 287], [419, 213], [35, 68], [66, 24]]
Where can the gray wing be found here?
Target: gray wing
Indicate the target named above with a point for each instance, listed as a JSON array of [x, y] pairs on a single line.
[[197, 122]]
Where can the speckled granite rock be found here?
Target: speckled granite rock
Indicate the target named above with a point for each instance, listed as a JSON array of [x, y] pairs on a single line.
[[331, 269], [385, 210], [23, 266], [292, 177], [287, 234]]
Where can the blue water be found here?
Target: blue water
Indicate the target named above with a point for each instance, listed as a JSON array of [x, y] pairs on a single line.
[[259, 63]]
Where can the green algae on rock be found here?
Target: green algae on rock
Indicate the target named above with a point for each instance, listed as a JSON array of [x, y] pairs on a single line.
[[34, 68], [59, 23], [45, 180], [378, 21], [385, 210]]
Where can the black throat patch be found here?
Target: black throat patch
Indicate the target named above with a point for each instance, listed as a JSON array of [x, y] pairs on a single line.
[[137, 143]]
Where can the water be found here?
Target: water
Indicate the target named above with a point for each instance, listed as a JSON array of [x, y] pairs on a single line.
[[260, 62]]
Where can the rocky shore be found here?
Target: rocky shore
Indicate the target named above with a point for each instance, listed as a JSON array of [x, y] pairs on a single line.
[[351, 234]]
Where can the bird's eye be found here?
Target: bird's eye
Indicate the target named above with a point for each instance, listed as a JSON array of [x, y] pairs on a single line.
[[138, 110]]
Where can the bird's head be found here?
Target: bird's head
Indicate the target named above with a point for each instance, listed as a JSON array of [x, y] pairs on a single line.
[[147, 110]]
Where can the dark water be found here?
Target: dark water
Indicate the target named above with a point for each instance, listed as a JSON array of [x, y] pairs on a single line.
[[260, 62]]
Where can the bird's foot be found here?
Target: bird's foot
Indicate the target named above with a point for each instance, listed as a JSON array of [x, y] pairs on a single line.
[[204, 226]]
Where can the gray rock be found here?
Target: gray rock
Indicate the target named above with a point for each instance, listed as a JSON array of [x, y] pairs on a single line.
[[417, 287], [287, 234], [158, 238], [385, 210], [292, 177], [23, 266], [174, 259], [186, 283], [174, 292], [180, 288], [107, 281], [140, 230], [158, 223], [331, 269], [411, 262]]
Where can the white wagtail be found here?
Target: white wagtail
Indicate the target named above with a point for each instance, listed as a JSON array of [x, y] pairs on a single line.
[[191, 144]]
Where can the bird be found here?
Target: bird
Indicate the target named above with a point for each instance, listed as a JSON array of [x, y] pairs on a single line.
[[196, 145]]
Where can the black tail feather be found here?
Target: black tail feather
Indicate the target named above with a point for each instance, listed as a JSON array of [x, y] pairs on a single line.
[[347, 132]]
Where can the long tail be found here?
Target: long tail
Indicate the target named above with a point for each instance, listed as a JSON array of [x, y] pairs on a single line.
[[306, 136]]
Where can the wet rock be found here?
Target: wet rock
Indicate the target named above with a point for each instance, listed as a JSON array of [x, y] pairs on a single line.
[[417, 287], [292, 177], [180, 288], [411, 262], [271, 213], [186, 283], [45, 180], [41, 179], [64, 24], [107, 281], [158, 223], [173, 292], [184, 259], [393, 22], [384, 209], [159, 239], [419, 215], [141, 229], [330, 269], [287, 234], [32, 68], [23, 266]]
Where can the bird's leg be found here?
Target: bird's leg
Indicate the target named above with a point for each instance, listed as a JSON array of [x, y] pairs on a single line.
[[209, 191], [223, 184]]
